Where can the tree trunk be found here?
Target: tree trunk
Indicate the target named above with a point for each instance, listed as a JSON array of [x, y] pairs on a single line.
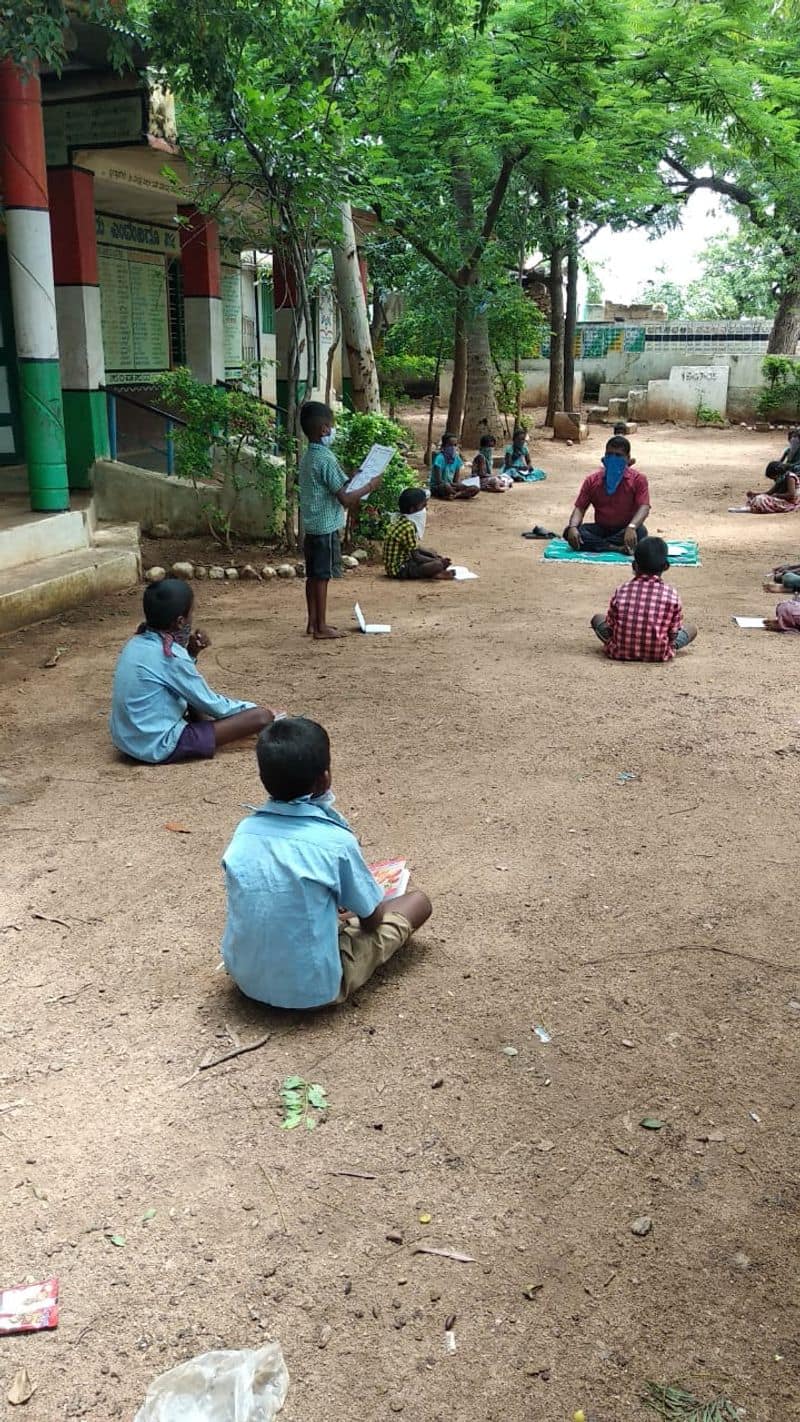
[[571, 317], [785, 331], [481, 414], [555, 286], [355, 321], [432, 407], [458, 389]]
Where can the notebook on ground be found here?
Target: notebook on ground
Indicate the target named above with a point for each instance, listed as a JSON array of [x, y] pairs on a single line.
[[749, 622], [364, 626], [683, 553], [462, 575]]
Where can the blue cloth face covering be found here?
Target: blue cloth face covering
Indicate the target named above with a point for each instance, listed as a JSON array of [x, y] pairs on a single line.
[[615, 466]]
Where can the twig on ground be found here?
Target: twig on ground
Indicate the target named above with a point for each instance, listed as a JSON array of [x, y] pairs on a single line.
[[45, 918], [354, 1174], [69, 996], [228, 1056], [690, 948], [443, 1253], [275, 1196]]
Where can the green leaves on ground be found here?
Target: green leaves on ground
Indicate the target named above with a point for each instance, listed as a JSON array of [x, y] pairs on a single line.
[[304, 1103], [673, 1404]]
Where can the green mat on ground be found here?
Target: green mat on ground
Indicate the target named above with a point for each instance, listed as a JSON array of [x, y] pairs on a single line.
[[683, 553], [531, 476]]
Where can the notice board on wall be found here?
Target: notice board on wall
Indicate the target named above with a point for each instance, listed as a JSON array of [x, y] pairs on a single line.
[[134, 314]]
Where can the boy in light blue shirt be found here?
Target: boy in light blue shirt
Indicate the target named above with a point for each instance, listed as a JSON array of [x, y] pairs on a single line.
[[293, 870], [162, 710]]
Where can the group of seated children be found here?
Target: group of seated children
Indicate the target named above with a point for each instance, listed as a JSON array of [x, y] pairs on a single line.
[[447, 478], [307, 922], [784, 496]]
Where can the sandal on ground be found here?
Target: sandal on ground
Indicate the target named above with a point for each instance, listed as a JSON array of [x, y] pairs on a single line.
[[538, 532]]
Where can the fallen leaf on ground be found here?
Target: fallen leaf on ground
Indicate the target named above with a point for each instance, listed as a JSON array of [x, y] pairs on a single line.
[[176, 828], [116, 1239], [651, 1123], [148, 1215], [21, 1388], [444, 1253], [545, 1145], [510, 1052], [425, 1219], [56, 657]]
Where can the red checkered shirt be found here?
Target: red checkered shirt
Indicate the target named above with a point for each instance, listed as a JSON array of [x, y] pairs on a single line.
[[644, 617]]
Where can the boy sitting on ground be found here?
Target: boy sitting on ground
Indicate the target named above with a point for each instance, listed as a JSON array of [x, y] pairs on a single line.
[[323, 504], [162, 709], [446, 473], [483, 468], [291, 870], [402, 555], [644, 622]]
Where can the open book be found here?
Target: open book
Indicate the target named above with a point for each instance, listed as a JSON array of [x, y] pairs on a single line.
[[749, 622], [392, 875], [364, 626], [376, 461], [462, 574]]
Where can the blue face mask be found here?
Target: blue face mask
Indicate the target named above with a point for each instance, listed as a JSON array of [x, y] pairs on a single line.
[[329, 438], [615, 466], [449, 452]]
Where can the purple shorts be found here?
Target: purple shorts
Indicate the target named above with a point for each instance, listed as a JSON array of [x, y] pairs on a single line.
[[197, 742]]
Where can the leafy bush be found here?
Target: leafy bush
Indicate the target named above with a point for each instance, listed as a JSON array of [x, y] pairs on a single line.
[[229, 439], [782, 375], [355, 435]]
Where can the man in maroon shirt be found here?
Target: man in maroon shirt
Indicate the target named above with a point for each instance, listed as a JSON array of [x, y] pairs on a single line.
[[621, 501]]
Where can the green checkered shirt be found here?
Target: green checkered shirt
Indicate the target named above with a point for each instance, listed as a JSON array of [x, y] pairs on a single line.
[[320, 477]]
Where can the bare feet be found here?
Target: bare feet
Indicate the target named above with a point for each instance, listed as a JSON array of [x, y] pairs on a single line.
[[327, 634], [445, 576]]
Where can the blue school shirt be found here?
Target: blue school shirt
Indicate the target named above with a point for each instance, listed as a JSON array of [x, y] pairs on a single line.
[[151, 694], [288, 869], [442, 472]]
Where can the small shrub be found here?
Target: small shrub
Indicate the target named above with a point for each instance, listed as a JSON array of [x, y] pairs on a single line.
[[228, 438], [782, 375], [355, 436]]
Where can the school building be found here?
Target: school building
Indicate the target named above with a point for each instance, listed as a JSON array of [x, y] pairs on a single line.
[[107, 279]]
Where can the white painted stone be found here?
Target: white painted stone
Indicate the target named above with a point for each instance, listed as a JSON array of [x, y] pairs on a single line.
[[268, 572], [348, 561], [285, 570], [155, 574], [248, 571], [216, 573], [361, 555], [232, 574], [691, 385], [200, 572], [182, 570]]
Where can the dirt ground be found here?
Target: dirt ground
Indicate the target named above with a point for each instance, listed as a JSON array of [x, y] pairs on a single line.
[[649, 925]]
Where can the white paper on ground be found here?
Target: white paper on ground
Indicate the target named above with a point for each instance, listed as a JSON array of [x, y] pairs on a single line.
[[749, 622], [674, 550], [472, 482], [740, 508], [365, 626], [461, 573], [375, 462]]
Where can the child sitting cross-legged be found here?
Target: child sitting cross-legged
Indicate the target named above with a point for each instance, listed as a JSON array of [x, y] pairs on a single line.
[[292, 870], [162, 710], [644, 622], [402, 555]]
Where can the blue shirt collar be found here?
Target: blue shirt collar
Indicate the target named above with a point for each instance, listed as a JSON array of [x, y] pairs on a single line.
[[306, 807]]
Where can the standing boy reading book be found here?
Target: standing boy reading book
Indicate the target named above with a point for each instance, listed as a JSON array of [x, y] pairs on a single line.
[[644, 622], [324, 501], [162, 709], [291, 868], [402, 555]]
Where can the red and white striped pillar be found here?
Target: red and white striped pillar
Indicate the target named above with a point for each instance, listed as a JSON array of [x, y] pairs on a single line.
[[23, 184], [80, 336], [202, 300]]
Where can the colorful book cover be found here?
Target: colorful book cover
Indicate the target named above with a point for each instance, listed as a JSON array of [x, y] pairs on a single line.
[[392, 875]]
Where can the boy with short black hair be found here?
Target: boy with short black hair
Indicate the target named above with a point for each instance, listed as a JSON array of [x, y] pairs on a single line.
[[291, 868], [644, 622], [402, 555], [323, 505], [162, 710]]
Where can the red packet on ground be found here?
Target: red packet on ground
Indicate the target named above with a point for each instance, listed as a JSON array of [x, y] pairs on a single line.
[[392, 875], [27, 1308]]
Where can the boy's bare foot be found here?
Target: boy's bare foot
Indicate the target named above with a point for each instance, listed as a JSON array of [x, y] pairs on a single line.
[[447, 575], [327, 634]]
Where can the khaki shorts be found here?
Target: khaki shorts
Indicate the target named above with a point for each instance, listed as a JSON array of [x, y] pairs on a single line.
[[363, 953]]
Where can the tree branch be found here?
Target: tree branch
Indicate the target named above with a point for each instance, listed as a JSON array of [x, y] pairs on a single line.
[[398, 226], [492, 212], [744, 196]]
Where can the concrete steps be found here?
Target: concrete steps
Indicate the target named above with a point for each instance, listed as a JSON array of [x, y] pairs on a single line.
[[30, 592]]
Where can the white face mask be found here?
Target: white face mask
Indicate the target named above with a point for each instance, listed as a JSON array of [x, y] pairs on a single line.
[[329, 438], [419, 519]]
